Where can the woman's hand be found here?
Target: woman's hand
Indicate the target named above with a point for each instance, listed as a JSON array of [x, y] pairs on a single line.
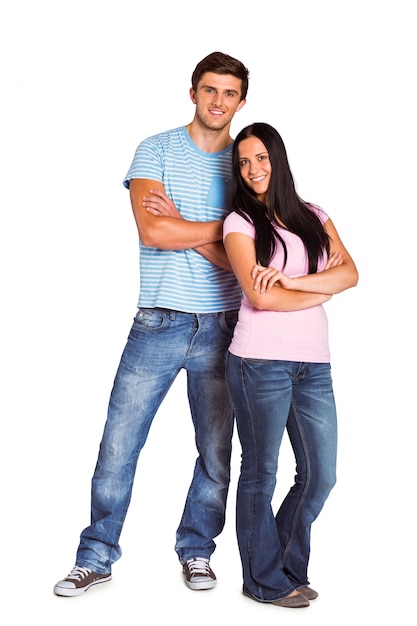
[[264, 278], [334, 259]]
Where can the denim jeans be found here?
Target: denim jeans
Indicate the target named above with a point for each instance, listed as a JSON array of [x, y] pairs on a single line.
[[267, 397], [161, 343]]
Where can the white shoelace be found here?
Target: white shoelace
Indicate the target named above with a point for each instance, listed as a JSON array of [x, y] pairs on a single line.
[[78, 573], [198, 567]]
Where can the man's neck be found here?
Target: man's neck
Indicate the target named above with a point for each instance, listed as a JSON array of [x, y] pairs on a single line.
[[209, 140]]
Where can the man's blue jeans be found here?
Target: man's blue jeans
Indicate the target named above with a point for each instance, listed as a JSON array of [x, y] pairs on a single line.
[[162, 342], [267, 397]]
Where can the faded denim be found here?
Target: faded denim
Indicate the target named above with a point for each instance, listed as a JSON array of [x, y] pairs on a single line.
[[161, 343], [268, 397]]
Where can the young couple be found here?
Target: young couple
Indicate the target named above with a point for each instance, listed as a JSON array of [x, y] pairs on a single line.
[[256, 298]]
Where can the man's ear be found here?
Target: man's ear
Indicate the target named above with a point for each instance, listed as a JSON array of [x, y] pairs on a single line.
[[241, 104], [192, 96]]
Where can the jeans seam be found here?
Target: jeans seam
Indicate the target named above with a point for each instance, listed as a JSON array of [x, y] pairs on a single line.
[[306, 487], [252, 526]]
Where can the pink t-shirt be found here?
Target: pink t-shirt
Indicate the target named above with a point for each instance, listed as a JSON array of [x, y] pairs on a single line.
[[288, 336]]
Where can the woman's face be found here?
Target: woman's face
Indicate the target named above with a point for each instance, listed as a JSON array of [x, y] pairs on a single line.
[[255, 166]]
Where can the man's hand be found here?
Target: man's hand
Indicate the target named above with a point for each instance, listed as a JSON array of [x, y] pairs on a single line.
[[160, 224], [158, 203]]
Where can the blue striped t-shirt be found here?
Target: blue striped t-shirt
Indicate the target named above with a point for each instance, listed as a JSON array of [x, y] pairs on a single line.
[[199, 184]]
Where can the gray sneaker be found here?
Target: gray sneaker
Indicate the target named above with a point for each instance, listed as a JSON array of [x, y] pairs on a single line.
[[198, 574], [79, 579]]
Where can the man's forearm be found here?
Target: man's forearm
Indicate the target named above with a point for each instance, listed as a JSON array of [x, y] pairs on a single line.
[[168, 233], [216, 254]]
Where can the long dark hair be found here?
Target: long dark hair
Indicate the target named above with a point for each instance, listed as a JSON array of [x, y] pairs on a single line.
[[283, 202]]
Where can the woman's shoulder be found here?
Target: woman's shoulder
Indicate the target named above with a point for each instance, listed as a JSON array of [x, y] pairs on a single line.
[[315, 208], [234, 222]]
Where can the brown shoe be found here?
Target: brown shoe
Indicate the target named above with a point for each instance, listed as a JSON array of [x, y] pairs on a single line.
[[80, 579], [308, 592], [291, 602], [298, 601], [198, 574]]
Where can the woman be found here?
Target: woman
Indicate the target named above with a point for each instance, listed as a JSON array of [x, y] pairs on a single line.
[[289, 260]]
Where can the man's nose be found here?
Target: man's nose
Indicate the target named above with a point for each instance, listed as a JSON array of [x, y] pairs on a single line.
[[218, 100]]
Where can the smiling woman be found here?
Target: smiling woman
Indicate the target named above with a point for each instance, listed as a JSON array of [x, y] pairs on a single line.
[[278, 363], [255, 166], [82, 86]]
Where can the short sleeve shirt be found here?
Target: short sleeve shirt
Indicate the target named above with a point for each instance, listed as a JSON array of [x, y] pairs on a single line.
[[289, 336], [199, 185]]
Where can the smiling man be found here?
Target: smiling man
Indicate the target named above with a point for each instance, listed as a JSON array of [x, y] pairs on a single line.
[[179, 184]]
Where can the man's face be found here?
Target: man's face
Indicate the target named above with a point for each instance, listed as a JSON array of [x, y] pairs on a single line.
[[217, 99]]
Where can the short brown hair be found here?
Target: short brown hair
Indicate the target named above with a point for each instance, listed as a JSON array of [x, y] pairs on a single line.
[[220, 63]]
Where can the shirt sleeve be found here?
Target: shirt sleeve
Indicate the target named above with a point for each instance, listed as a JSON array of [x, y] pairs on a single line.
[[235, 223], [147, 162]]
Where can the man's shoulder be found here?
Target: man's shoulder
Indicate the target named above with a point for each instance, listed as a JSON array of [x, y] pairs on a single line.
[[165, 136]]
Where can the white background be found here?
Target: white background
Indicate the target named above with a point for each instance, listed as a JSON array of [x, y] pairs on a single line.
[[82, 83]]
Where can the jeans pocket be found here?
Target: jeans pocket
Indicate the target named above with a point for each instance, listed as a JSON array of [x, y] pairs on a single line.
[[150, 318], [227, 321]]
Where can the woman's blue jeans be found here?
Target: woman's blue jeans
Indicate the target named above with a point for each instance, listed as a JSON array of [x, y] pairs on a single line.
[[161, 343], [267, 397]]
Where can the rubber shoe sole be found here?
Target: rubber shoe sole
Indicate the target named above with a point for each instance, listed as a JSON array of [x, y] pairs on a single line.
[[201, 585]]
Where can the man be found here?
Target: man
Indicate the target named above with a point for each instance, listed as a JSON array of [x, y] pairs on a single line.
[[179, 184]]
